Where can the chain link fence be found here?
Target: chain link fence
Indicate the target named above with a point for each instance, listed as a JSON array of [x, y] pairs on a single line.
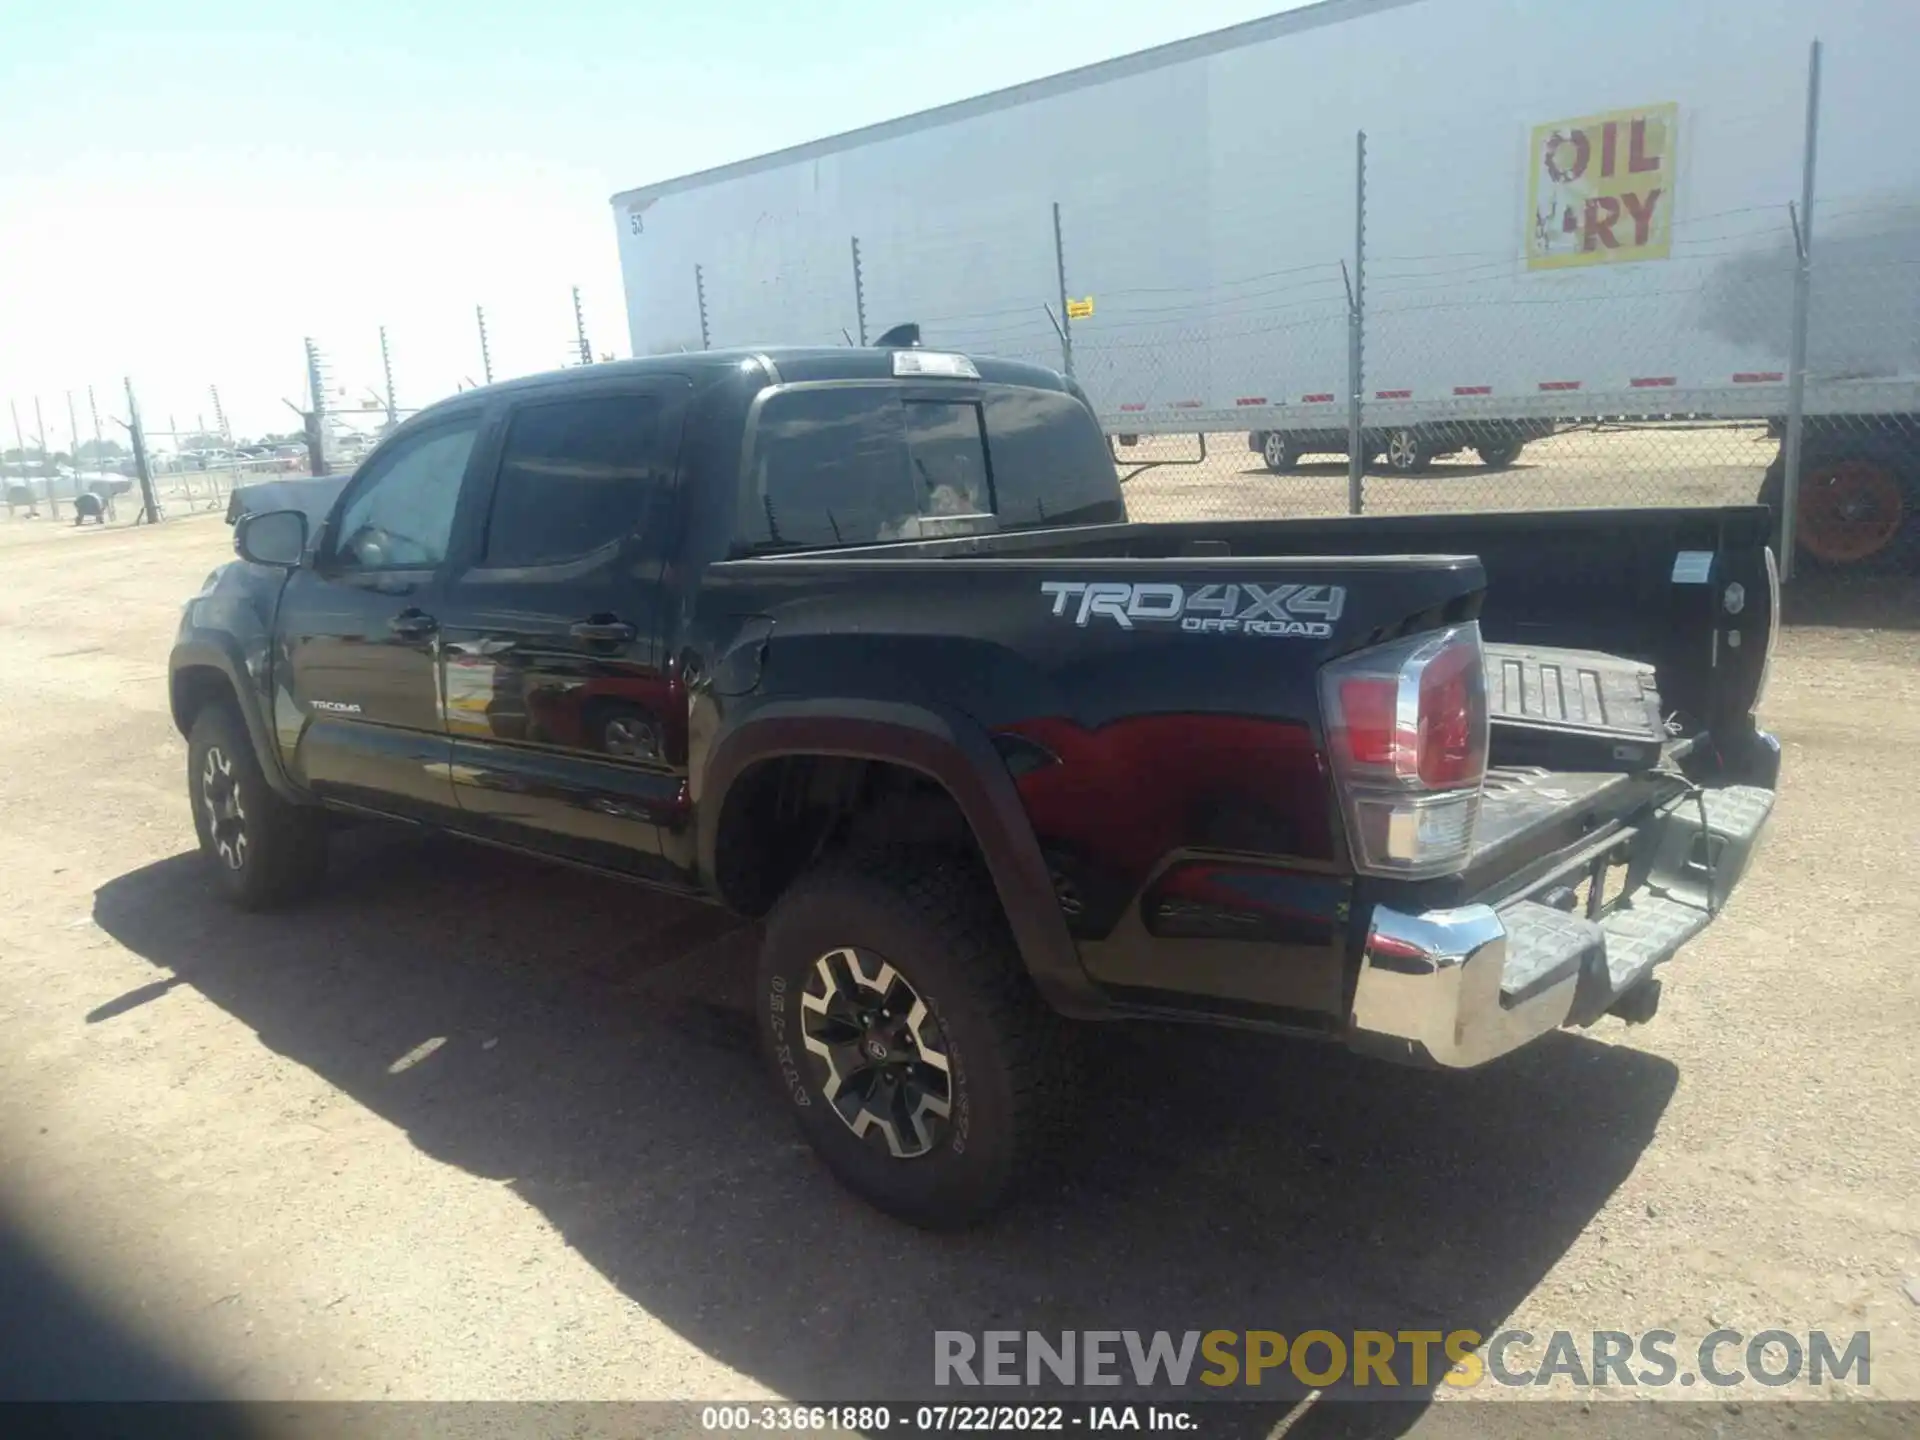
[[1623, 326], [78, 462]]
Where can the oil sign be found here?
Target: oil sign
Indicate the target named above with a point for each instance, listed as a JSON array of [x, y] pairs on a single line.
[[1601, 188]]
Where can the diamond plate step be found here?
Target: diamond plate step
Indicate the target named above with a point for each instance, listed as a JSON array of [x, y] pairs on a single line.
[[1639, 937], [1544, 946]]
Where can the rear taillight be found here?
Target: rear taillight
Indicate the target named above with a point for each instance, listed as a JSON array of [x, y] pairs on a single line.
[[1407, 734]]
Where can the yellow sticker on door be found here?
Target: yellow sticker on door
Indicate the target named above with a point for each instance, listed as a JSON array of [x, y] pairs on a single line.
[[1601, 188]]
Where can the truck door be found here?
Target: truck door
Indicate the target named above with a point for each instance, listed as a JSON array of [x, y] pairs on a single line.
[[360, 635], [564, 717]]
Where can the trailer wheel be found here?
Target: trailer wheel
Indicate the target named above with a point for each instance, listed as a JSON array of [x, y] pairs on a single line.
[[1498, 454], [1408, 452], [1850, 513], [1279, 452]]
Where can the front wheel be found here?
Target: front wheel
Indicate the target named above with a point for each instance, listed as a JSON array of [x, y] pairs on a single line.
[[899, 1022], [1279, 452], [261, 850]]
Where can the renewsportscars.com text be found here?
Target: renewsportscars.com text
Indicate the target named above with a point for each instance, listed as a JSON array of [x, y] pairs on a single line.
[[1390, 1359]]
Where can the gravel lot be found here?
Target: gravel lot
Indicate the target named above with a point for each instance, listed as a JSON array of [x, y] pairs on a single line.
[[469, 1127], [1650, 465]]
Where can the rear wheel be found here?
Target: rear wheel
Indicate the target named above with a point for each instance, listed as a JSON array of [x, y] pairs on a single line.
[[1498, 454], [1408, 452], [897, 1018], [1279, 452], [261, 850]]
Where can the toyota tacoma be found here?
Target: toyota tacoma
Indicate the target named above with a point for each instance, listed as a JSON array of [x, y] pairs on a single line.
[[860, 643]]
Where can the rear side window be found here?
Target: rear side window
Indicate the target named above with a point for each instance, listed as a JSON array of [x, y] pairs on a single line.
[[575, 475], [1051, 465]]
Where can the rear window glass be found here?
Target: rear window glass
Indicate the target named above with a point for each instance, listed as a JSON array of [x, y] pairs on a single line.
[[830, 468], [949, 455], [852, 465]]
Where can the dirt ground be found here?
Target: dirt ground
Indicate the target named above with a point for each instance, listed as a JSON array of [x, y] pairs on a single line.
[[470, 1127], [1674, 464]]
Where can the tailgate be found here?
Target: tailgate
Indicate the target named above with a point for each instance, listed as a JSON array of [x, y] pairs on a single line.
[[1573, 709]]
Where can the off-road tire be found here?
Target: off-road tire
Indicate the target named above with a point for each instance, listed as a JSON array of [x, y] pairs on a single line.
[[935, 918], [280, 852]]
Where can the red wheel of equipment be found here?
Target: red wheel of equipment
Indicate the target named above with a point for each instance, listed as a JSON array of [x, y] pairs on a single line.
[[1850, 510]]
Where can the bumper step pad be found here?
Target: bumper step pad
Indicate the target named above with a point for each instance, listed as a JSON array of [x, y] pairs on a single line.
[[1692, 870]]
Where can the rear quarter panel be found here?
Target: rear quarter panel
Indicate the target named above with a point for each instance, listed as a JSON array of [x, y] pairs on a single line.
[[1136, 733]]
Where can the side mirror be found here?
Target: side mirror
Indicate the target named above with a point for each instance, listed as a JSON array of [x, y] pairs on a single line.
[[273, 537]]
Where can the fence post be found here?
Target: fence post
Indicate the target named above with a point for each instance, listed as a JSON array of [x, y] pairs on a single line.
[[859, 295], [148, 508], [700, 294], [1790, 450], [317, 428], [386, 368], [486, 355], [73, 430], [1065, 323], [1356, 330], [20, 447], [580, 329], [40, 430]]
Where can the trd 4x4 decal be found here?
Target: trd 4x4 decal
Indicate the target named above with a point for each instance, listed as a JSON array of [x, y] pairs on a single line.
[[1240, 609]]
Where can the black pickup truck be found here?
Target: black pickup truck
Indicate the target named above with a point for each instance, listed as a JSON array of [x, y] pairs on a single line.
[[862, 642]]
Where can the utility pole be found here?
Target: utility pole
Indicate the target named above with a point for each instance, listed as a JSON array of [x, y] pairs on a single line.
[[386, 366], [220, 413], [580, 329], [99, 445], [486, 358]]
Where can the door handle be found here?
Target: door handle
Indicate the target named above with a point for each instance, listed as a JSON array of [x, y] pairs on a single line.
[[602, 629], [411, 624]]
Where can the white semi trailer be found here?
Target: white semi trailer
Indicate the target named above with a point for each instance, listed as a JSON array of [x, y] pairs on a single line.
[[1589, 208]]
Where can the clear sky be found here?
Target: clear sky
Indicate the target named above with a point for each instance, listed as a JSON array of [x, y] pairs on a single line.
[[189, 187]]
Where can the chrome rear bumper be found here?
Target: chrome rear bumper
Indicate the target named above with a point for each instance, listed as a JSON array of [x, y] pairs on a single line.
[[1460, 987]]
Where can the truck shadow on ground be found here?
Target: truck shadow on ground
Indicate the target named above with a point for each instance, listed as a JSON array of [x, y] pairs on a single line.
[[596, 1049]]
